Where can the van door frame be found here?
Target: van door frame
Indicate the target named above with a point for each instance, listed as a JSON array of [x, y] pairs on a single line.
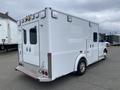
[[38, 39]]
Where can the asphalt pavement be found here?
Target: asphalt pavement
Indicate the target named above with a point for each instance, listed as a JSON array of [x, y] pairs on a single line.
[[104, 75]]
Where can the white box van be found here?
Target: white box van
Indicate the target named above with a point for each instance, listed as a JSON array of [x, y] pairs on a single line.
[[54, 44], [8, 31]]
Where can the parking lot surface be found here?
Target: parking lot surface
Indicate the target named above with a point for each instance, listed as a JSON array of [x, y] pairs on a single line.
[[104, 75]]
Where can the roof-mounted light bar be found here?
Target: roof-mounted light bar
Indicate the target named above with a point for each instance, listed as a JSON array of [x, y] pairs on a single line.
[[28, 18], [37, 15], [32, 17]]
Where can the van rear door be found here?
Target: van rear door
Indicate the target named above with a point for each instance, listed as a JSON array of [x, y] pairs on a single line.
[[31, 44]]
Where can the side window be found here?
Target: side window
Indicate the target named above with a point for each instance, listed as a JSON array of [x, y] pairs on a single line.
[[95, 36], [25, 36], [33, 35]]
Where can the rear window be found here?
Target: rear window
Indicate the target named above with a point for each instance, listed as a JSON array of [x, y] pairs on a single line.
[[25, 36], [33, 35]]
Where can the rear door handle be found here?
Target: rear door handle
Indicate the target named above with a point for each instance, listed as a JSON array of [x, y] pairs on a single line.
[[90, 45], [29, 49]]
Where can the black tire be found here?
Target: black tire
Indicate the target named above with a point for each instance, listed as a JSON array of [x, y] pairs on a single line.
[[81, 69]]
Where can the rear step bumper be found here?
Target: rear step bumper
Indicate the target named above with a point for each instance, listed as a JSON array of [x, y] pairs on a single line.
[[34, 76]]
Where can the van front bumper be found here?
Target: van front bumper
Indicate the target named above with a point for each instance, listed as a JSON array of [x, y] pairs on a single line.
[[33, 75]]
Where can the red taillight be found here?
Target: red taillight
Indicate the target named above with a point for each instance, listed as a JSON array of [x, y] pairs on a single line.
[[45, 73]]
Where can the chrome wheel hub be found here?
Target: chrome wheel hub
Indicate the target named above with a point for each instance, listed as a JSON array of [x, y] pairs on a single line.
[[82, 67]]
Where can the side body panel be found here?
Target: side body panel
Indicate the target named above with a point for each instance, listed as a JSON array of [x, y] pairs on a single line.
[[67, 40]]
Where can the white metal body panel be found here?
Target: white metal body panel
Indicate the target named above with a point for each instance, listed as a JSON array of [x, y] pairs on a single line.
[[3, 30], [67, 42], [44, 41], [13, 32], [67, 39], [8, 31]]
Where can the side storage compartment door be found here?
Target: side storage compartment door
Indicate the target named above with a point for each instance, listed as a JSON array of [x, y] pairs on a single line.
[[92, 44], [89, 51]]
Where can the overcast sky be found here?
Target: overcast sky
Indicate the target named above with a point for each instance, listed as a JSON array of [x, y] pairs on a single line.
[[104, 12]]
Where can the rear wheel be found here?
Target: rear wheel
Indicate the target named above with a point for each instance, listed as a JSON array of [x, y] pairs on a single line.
[[81, 69]]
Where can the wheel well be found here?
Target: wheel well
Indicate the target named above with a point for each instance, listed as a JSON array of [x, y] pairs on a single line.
[[78, 60], [83, 59], [105, 50]]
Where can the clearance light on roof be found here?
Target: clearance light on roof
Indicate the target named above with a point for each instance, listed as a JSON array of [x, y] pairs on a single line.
[[23, 21], [29, 18], [69, 18], [19, 23], [54, 14], [33, 16], [37, 15], [90, 24], [43, 14], [26, 19]]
